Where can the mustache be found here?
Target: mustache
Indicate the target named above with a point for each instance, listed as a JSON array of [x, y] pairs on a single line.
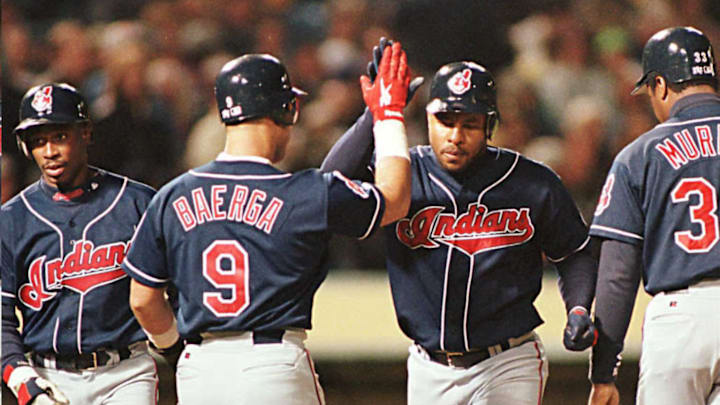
[[451, 149]]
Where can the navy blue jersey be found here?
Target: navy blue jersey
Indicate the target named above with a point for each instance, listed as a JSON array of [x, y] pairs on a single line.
[[61, 261], [662, 194], [245, 243], [466, 264]]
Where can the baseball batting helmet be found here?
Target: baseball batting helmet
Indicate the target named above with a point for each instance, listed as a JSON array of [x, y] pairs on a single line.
[[254, 86], [679, 54], [465, 87], [48, 104]]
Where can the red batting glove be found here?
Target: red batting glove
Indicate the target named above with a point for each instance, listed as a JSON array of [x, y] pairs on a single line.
[[386, 97]]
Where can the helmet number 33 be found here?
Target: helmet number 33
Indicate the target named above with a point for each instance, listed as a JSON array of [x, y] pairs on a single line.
[[225, 265], [704, 213]]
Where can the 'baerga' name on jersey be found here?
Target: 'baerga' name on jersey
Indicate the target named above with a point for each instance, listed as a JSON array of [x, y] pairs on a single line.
[[683, 146], [245, 206]]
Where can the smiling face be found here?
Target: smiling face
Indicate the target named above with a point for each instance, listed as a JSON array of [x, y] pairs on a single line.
[[60, 152], [457, 138]]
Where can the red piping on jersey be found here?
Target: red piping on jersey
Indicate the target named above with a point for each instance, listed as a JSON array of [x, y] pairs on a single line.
[[157, 380], [540, 373], [315, 381]]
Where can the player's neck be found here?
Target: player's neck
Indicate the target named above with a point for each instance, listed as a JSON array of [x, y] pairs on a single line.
[[254, 138]]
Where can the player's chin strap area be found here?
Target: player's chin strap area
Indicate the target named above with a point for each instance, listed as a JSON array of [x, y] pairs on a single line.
[[475, 356]]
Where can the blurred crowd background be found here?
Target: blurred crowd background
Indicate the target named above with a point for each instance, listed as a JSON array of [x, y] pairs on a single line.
[[564, 71]]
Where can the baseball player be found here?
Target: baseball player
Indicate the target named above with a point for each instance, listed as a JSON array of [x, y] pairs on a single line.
[[465, 265], [64, 238], [246, 244], [658, 217]]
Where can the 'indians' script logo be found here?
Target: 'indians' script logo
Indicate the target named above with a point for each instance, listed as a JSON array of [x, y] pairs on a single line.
[[477, 230], [42, 100], [460, 82], [83, 269]]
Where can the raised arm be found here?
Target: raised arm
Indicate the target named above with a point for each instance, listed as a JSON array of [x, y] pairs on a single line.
[[352, 153], [386, 98]]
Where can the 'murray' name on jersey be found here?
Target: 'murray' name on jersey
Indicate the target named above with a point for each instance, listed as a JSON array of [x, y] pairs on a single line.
[[244, 205], [689, 144]]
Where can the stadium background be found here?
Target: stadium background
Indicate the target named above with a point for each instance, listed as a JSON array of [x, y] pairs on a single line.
[[564, 71]]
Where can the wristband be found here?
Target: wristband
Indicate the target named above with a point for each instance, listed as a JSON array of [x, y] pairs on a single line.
[[165, 339], [580, 308], [390, 139]]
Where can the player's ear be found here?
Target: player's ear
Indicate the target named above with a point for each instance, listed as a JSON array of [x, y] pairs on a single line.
[[661, 87]]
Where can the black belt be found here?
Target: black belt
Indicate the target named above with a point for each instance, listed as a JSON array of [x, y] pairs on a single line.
[[259, 336], [685, 287], [475, 356], [268, 336], [84, 361]]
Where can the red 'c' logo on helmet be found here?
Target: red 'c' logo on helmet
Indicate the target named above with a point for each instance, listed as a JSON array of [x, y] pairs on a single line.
[[460, 82], [42, 101]]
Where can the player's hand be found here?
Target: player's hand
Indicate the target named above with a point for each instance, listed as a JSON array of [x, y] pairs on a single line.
[[31, 389], [378, 50], [374, 65], [387, 96], [47, 399], [580, 332], [604, 394], [171, 354]]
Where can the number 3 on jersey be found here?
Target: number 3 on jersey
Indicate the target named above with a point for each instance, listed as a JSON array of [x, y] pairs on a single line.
[[233, 276], [703, 213]]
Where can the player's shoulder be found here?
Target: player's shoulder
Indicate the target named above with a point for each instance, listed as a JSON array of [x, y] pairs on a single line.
[[174, 186], [535, 169], [131, 188], [16, 210], [309, 177], [640, 147], [420, 151], [16, 203]]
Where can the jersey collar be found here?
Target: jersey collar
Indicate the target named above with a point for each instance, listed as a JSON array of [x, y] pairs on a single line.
[[226, 157], [75, 194], [692, 100]]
